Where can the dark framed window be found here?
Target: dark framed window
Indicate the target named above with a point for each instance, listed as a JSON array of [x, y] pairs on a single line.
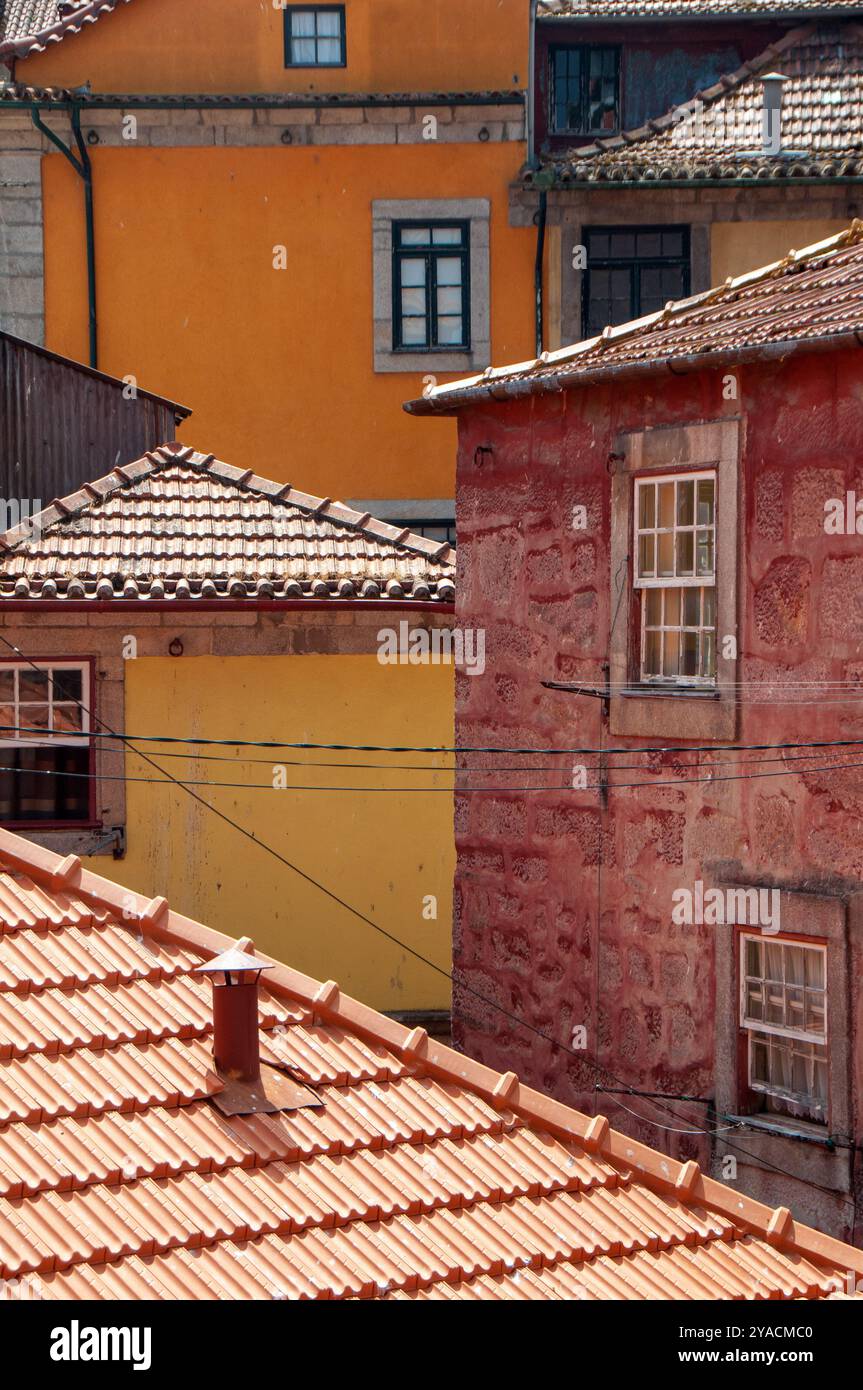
[[585, 90], [315, 36], [46, 753], [431, 286], [632, 271]]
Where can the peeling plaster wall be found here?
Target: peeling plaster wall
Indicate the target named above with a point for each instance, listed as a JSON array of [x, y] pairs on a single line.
[[563, 911]]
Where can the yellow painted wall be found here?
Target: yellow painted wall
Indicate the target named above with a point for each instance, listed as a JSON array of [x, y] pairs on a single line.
[[162, 46], [382, 851], [277, 365], [737, 247]]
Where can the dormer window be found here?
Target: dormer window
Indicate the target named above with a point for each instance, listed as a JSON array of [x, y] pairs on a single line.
[[585, 90]]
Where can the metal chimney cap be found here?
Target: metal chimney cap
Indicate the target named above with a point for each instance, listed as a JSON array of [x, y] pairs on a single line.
[[774, 77], [230, 962]]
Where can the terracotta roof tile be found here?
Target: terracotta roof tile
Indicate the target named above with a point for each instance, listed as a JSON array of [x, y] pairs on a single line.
[[31, 26], [688, 9], [178, 517], [811, 299], [422, 1174], [718, 134]]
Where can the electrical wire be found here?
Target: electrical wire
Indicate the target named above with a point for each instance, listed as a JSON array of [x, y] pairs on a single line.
[[334, 897]]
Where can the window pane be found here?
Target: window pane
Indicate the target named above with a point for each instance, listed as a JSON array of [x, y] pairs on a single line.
[[671, 654], [666, 554], [413, 302], [646, 556], [414, 332], [704, 553], [302, 22], [685, 503], [622, 245], [689, 654], [709, 607], [67, 685], [329, 51], [68, 718], [649, 244], [33, 717], [647, 506], [449, 270], [672, 607], [654, 607], [7, 685], [33, 685], [303, 51], [449, 301], [666, 504], [691, 607], [708, 656], [415, 236], [329, 22], [447, 236], [705, 502], [449, 330], [652, 654], [684, 553], [413, 272]]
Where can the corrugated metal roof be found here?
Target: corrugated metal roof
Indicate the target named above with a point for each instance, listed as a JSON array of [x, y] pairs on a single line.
[[718, 134], [811, 297], [178, 524], [31, 26], [423, 1174]]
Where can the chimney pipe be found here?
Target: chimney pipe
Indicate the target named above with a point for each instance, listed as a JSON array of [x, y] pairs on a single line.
[[235, 974], [771, 113]]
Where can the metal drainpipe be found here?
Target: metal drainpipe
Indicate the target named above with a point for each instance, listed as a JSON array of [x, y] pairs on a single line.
[[84, 170], [542, 214]]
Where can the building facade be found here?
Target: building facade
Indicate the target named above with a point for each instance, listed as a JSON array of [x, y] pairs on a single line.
[[678, 144], [659, 535], [284, 202], [179, 598]]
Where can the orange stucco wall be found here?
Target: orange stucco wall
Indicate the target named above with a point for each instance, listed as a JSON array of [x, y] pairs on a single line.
[[277, 365], [237, 46]]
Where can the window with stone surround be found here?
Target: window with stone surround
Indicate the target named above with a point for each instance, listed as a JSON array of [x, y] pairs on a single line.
[[675, 577], [315, 36], [46, 752], [431, 285], [673, 581], [783, 1024]]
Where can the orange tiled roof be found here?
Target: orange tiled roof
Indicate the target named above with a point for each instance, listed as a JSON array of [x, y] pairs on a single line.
[[688, 9], [718, 135], [31, 26], [810, 299], [423, 1174], [179, 524]]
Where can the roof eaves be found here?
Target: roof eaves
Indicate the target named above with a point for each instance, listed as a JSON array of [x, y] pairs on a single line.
[[514, 380], [74, 23], [668, 1175]]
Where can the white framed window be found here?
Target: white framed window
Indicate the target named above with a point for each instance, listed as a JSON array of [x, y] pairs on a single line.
[[46, 752], [783, 1015], [675, 572]]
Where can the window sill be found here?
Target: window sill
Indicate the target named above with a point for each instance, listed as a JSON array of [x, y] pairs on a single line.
[[85, 841], [669, 692], [678, 712], [792, 1129]]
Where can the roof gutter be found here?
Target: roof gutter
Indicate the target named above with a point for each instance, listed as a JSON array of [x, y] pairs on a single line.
[[83, 168], [275, 102], [225, 605], [683, 365]]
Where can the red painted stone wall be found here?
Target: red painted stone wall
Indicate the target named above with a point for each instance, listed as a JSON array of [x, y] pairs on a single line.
[[563, 909]]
